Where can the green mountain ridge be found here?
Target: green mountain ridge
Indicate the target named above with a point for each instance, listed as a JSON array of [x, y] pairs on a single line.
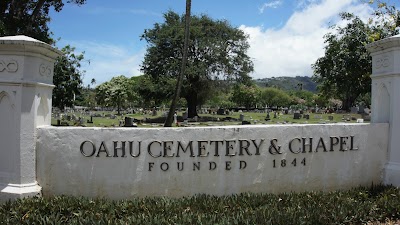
[[288, 83]]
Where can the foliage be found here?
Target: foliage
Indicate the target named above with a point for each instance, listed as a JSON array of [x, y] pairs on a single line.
[[303, 97], [274, 97], [67, 77], [320, 100], [357, 206], [344, 71], [386, 20], [220, 99], [288, 83], [29, 17], [216, 51], [153, 93], [246, 96], [117, 92]]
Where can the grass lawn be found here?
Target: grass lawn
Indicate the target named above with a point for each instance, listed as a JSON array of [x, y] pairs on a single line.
[[217, 120]]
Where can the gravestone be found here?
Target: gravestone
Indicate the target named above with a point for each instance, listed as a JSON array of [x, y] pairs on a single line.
[[361, 109], [317, 117], [128, 121], [268, 117], [296, 116], [220, 111], [354, 110]]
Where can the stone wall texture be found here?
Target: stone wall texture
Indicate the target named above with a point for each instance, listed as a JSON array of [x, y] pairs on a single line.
[[135, 162]]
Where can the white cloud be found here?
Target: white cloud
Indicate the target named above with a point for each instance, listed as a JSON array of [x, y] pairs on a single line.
[[290, 50], [274, 4], [107, 60]]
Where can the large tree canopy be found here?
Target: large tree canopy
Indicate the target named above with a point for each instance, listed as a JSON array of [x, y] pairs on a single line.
[[67, 78], [29, 17], [118, 92], [216, 51], [344, 71]]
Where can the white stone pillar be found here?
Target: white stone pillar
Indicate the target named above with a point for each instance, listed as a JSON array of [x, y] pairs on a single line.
[[386, 99], [26, 83]]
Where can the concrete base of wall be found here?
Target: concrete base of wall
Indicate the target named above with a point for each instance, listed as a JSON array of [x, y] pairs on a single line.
[[392, 174], [17, 191]]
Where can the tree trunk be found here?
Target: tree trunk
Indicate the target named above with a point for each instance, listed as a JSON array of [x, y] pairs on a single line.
[[168, 121], [192, 105]]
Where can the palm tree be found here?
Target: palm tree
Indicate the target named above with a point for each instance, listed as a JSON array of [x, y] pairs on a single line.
[[168, 121]]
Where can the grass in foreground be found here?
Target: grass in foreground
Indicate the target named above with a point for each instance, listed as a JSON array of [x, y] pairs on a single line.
[[357, 206]]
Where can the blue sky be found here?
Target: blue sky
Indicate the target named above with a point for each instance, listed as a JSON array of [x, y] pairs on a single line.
[[286, 36]]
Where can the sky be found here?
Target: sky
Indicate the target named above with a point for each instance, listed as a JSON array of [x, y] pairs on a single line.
[[286, 36]]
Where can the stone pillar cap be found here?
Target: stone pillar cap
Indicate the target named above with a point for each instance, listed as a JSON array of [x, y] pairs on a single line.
[[28, 43], [390, 42]]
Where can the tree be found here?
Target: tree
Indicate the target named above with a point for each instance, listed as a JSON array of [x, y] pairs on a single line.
[[274, 97], [344, 71], [29, 17], [118, 92], [67, 78], [216, 51], [307, 96], [246, 96], [153, 93], [385, 21]]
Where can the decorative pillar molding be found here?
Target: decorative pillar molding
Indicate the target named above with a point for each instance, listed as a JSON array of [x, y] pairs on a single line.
[[386, 99], [26, 84]]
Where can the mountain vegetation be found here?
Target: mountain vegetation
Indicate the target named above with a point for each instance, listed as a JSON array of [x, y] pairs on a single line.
[[288, 83]]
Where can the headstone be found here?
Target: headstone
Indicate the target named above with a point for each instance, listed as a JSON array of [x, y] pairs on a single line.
[[296, 116], [91, 120], [241, 117], [361, 109], [306, 116], [330, 118], [275, 116], [175, 118], [220, 111], [354, 110], [366, 118], [185, 115], [128, 121], [267, 118], [317, 117]]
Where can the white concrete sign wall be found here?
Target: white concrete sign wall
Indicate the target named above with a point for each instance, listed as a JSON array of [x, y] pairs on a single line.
[[26, 84], [125, 162]]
